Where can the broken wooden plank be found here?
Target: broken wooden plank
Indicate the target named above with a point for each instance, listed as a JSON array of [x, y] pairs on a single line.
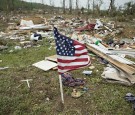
[[124, 51], [52, 58], [124, 67]]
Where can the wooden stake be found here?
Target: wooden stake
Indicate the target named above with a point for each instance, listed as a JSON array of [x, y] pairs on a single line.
[[61, 89]]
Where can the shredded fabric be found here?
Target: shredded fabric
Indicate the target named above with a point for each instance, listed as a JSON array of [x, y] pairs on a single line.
[[68, 80]]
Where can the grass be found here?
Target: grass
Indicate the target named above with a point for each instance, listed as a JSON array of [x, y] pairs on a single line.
[[43, 96], [17, 99]]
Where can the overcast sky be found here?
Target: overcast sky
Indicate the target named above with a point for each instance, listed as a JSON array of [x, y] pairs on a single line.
[[81, 2]]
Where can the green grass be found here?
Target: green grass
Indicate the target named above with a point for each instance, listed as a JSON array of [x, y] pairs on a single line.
[[17, 99]]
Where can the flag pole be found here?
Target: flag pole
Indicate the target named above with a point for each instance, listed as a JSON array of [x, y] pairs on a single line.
[[61, 89]]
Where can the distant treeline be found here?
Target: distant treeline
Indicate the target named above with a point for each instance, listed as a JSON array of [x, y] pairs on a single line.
[[10, 5], [20, 5]]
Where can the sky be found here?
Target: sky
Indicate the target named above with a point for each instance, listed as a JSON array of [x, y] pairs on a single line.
[[82, 3]]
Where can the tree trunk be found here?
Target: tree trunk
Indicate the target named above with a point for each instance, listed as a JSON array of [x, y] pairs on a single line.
[[70, 6], [31, 5], [64, 7], [93, 6], [88, 3], [77, 5], [12, 4], [7, 6], [111, 6]]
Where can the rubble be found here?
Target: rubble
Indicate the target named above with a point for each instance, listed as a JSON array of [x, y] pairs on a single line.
[[3, 68], [100, 38], [113, 75], [17, 48], [86, 72], [27, 81], [2, 47], [120, 63]]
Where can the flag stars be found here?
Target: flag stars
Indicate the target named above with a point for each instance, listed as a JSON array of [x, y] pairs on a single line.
[[64, 45]]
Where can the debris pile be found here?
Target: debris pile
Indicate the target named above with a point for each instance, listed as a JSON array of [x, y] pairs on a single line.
[[99, 36]]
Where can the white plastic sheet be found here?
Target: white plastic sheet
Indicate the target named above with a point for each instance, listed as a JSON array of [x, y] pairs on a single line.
[[45, 65]]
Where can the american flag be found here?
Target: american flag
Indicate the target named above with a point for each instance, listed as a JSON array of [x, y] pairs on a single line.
[[70, 53]]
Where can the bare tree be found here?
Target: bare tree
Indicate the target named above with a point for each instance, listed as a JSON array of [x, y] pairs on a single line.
[[111, 6], [77, 7], [82, 10], [53, 5], [7, 3], [100, 2], [31, 4], [77, 4], [93, 6], [63, 5], [88, 6], [12, 4], [22, 4], [43, 6], [129, 8], [50, 2], [98, 5], [43, 2], [70, 6]]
